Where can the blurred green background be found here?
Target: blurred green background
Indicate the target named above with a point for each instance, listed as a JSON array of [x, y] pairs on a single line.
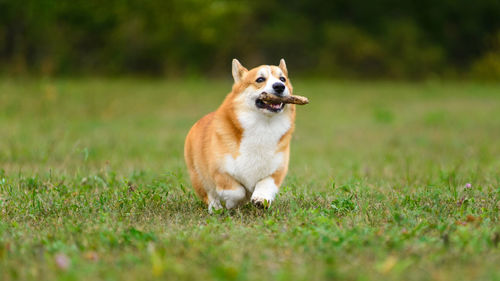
[[388, 180], [386, 39]]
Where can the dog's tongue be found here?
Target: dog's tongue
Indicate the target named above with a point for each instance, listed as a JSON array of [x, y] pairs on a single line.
[[276, 105]]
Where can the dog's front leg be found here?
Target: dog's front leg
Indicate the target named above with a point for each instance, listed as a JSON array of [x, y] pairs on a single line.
[[229, 190], [265, 192]]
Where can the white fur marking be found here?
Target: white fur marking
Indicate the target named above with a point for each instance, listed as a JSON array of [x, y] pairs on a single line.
[[233, 197], [257, 157], [263, 73], [213, 204], [265, 191], [271, 80]]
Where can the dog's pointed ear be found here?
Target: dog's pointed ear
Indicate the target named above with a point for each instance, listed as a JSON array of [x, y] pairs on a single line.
[[238, 70], [283, 67]]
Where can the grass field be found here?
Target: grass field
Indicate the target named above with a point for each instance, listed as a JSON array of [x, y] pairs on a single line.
[[93, 185]]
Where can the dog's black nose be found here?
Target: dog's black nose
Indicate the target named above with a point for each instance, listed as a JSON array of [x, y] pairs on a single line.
[[279, 88]]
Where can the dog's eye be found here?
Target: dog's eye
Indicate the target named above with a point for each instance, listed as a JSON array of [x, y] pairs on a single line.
[[283, 79], [260, 80]]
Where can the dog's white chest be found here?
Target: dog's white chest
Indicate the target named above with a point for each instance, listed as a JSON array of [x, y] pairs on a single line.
[[257, 157]]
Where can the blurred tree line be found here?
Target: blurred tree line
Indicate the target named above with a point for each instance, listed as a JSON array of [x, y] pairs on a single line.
[[341, 38]]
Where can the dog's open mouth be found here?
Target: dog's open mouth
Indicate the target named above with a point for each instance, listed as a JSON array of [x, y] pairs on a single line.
[[271, 106]]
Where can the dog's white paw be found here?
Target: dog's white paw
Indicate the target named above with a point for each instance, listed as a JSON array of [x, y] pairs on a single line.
[[234, 197], [214, 205], [264, 193], [261, 202]]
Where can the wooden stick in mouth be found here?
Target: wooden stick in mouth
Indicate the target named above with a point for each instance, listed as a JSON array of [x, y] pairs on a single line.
[[284, 99]]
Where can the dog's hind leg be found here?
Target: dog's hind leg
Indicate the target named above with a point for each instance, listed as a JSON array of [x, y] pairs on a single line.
[[197, 184], [229, 190], [213, 203], [209, 197]]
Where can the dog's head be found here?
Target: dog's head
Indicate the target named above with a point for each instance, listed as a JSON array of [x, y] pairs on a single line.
[[249, 84]]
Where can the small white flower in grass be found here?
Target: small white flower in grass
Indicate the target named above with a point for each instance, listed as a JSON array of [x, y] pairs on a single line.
[[62, 261], [468, 185]]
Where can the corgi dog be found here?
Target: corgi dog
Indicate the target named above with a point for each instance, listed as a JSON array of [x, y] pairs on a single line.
[[240, 152]]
